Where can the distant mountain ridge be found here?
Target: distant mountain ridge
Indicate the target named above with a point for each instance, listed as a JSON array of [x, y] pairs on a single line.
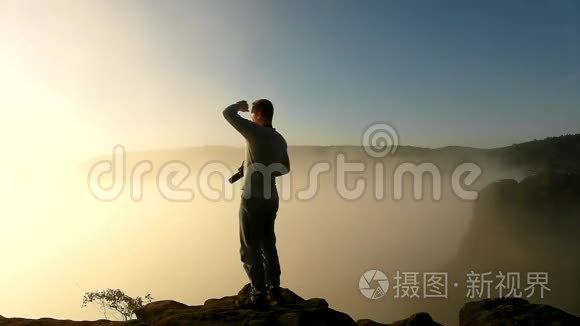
[[561, 154], [560, 151]]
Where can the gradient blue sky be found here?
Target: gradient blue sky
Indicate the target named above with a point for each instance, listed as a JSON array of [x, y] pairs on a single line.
[[152, 74]]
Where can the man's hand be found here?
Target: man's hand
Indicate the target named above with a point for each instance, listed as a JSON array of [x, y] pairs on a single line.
[[243, 106]]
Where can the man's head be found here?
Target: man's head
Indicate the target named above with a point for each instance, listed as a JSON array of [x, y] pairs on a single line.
[[262, 112]]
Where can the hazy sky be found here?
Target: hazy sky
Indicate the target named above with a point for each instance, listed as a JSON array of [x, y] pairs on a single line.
[[81, 76]]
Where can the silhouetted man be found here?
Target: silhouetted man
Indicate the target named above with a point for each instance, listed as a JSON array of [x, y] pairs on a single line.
[[266, 158]]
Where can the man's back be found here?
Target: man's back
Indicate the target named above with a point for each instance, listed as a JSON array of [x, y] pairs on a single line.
[[266, 158]]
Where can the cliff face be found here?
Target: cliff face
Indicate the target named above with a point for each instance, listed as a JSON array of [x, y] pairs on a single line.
[[531, 222], [530, 226]]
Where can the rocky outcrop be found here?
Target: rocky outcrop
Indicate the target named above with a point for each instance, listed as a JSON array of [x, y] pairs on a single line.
[[513, 311], [297, 311], [224, 311], [313, 312], [418, 319]]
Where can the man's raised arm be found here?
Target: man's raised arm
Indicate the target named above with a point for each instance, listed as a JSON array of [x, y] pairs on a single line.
[[244, 126]]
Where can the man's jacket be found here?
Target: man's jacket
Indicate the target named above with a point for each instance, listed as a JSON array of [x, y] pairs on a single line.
[[266, 155]]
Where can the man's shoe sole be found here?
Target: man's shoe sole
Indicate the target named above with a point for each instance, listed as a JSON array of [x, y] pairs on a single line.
[[245, 303], [274, 301]]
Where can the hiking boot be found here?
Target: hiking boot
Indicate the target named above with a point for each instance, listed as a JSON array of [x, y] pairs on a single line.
[[274, 298], [256, 303]]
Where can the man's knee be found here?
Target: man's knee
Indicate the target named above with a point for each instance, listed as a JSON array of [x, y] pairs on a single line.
[[243, 255], [269, 243], [250, 251], [250, 254]]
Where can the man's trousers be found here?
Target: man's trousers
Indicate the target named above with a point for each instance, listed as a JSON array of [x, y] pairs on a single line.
[[258, 243]]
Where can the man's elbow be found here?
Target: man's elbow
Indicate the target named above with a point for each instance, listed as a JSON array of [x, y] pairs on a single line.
[[226, 113], [230, 111], [286, 164]]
